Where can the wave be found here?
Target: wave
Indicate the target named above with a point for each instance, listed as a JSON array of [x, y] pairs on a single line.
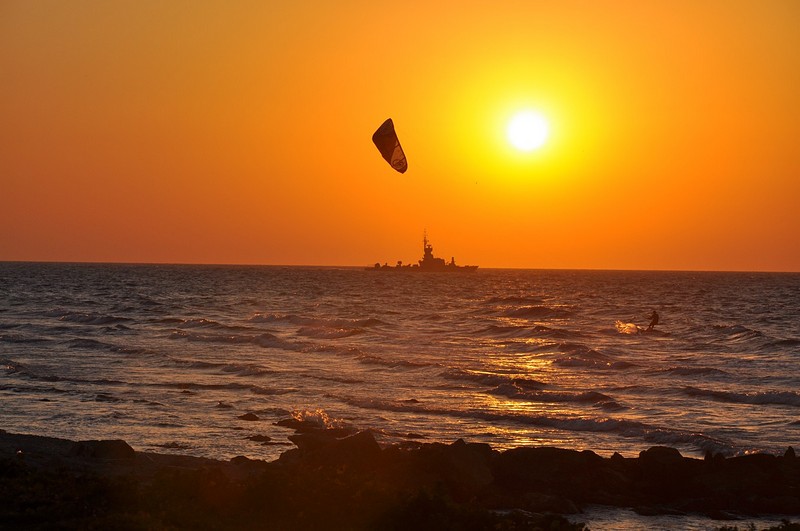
[[738, 333], [240, 369], [89, 318], [22, 338], [342, 350], [326, 332], [229, 386], [511, 390], [205, 323], [492, 379], [515, 299], [579, 355], [377, 360], [780, 343], [526, 332], [88, 344], [13, 367], [264, 339], [784, 398], [261, 390], [694, 371], [623, 427], [593, 364], [314, 321], [536, 311], [337, 379]]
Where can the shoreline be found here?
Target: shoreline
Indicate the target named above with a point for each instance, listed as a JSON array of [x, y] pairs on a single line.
[[337, 479]]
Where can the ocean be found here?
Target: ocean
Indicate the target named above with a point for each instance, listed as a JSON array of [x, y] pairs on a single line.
[[168, 357]]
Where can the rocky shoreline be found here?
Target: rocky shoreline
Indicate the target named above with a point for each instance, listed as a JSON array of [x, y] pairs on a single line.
[[342, 480]]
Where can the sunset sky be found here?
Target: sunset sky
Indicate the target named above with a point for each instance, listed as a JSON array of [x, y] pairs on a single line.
[[240, 132]]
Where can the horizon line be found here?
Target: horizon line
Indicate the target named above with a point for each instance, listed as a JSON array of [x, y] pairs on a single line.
[[367, 266]]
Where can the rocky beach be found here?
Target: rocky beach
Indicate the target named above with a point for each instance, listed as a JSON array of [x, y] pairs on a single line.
[[335, 479]]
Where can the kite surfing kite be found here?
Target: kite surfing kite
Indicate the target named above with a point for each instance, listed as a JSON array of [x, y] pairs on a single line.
[[386, 141]]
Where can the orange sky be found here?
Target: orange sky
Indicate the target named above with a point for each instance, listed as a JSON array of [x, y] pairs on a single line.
[[239, 132]]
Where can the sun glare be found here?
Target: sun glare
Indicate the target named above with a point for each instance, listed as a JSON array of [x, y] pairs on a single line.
[[528, 130]]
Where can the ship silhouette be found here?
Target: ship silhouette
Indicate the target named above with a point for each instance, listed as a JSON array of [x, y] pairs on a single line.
[[427, 263]]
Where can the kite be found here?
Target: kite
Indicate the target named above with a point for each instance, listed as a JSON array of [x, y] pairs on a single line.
[[386, 141]]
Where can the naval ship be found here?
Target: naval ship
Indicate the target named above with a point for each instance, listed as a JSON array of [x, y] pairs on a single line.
[[428, 262]]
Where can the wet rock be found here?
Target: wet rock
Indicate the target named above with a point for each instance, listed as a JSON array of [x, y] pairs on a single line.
[[249, 416]]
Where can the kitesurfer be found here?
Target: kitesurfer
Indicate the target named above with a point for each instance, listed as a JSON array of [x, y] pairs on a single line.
[[653, 320]]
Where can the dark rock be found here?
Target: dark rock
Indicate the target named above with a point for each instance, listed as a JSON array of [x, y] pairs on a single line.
[[466, 467], [322, 449], [313, 440], [332, 482], [106, 449], [260, 438], [361, 445], [249, 416], [789, 454], [660, 454], [664, 473], [554, 469]]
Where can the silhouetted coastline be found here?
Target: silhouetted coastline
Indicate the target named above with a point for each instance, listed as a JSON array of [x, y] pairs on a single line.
[[344, 480]]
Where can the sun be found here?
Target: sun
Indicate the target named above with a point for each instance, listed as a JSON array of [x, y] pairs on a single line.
[[528, 130]]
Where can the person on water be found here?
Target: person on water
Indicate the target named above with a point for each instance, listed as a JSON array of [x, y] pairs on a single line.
[[653, 320]]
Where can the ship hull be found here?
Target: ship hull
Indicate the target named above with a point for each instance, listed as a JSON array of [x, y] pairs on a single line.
[[418, 269]]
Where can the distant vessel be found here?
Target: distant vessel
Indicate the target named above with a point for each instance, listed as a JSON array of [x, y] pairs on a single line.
[[428, 262]]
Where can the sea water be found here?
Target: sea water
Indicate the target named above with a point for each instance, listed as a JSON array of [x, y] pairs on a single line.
[[168, 357]]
